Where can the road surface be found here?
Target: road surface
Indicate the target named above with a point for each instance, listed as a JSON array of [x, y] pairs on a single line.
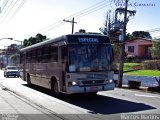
[[110, 105]]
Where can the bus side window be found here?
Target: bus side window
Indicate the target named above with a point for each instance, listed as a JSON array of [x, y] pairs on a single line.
[[39, 51], [64, 53], [28, 57], [45, 53], [54, 53], [33, 56], [21, 58]]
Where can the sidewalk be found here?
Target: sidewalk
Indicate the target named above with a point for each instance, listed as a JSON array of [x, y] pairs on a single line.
[[14, 107], [146, 81]]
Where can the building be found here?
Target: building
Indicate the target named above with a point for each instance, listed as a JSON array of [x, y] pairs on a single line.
[[139, 47]]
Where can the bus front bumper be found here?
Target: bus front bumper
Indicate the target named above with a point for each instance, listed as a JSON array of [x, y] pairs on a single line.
[[89, 89]]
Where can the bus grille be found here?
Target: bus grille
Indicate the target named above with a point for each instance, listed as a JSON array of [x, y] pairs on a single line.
[[93, 82]]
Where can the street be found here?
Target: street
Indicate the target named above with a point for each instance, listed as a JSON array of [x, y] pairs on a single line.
[[106, 105], [14, 107]]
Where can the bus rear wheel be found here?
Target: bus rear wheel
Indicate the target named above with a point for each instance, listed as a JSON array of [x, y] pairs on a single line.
[[54, 88]]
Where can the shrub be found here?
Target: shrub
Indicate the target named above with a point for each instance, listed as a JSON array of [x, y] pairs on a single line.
[[131, 58], [155, 50], [151, 65], [132, 84]]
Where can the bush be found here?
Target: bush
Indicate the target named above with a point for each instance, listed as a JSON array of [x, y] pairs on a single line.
[[132, 84], [131, 58], [154, 89], [151, 65], [155, 49]]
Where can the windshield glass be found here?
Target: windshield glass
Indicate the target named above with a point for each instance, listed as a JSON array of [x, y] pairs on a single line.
[[12, 68], [89, 57]]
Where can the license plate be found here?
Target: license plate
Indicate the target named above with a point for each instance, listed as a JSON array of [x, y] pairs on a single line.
[[94, 89]]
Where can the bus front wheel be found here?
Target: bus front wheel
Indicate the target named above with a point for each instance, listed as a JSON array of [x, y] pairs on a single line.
[[54, 88], [92, 94]]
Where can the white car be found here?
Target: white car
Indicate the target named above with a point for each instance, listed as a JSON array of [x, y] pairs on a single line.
[[11, 71]]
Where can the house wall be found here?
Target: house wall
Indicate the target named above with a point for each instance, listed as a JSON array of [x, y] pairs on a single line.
[[135, 48], [141, 51], [139, 47]]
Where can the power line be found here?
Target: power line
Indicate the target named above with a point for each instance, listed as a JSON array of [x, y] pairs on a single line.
[[9, 9], [3, 18], [73, 22], [4, 13], [77, 15], [16, 11], [54, 25], [92, 10], [86, 9], [153, 30], [3, 5]]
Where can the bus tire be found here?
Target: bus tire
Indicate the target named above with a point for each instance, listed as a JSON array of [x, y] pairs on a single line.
[[54, 87], [28, 80], [92, 94]]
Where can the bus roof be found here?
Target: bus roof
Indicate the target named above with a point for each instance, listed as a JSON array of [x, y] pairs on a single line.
[[73, 38]]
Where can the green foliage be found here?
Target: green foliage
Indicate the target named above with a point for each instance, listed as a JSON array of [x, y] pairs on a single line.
[[155, 50], [144, 73], [151, 65], [129, 66], [132, 58], [33, 40], [82, 31], [142, 34], [129, 37], [12, 49]]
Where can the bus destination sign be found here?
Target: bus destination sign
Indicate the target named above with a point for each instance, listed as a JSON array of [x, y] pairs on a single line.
[[88, 40]]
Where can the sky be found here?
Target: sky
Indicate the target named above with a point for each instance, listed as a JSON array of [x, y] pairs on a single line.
[[21, 19]]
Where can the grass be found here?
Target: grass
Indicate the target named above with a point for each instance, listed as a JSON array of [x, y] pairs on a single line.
[[128, 66], [129, 70], [144, 73]]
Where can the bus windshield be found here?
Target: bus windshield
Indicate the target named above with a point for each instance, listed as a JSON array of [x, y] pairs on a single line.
[[89, 57]]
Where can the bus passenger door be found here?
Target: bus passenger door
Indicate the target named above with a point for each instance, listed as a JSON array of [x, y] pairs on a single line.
[[63, 62]]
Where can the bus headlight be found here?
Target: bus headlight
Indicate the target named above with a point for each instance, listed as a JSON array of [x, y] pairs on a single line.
[[109, 81], [72, 83]]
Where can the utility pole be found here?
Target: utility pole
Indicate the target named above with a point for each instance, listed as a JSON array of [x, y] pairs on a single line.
[[20, 42], [73, 22], [121, 64], [125, 21]]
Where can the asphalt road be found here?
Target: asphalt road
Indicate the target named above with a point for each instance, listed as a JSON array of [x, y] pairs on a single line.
[[14, 107], [110, 105]]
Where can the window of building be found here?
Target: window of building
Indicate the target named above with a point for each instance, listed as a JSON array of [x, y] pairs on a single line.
[[131, 49]]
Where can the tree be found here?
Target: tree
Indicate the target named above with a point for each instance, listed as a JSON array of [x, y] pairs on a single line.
[[26, 43], [129, 36], [155, 50], [39, 37], [82, 31], [12, 49], [33, 40], [142, 34]]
